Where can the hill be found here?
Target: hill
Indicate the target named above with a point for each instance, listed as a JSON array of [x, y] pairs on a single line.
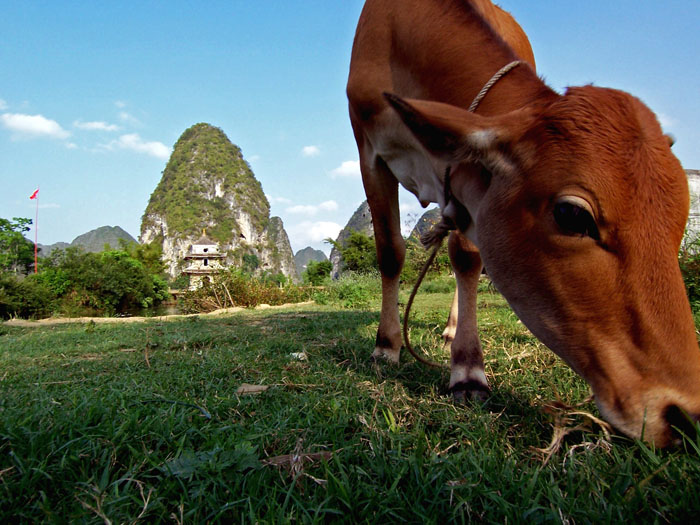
[[92, 241], [207, 184], [305, 256]]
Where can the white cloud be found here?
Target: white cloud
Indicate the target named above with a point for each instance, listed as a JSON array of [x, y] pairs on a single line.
[[308, 209], [120, 104], [349, 168], [95, 126], [279, 200], [308, 232], [33, 126], [301, 209], [666, 121], [128, 118], [328, 206], [133, 142], [310, 151], [3, 104]]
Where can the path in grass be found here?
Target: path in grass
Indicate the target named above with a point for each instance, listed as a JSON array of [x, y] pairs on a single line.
[[52, 321]]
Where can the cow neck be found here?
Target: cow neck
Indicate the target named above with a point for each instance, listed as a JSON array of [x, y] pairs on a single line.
[[495, 78], [472, 109]]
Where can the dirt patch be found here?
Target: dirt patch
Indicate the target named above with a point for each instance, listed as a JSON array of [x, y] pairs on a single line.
[[112, 320]]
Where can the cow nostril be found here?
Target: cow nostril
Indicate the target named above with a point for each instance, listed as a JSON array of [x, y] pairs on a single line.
[[681, 423]]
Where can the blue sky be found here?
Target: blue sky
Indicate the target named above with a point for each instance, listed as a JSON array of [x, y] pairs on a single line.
[[94, 94]]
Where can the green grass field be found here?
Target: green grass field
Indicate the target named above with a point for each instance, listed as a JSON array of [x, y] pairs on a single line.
[[157, 422]]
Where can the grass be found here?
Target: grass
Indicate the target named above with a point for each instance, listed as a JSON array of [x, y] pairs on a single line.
[[146, 423]]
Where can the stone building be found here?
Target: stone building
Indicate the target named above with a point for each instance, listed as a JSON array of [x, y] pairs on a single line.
[[204, 260]]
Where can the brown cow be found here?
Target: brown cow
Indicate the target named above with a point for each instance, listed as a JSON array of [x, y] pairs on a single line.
[[574, 203]]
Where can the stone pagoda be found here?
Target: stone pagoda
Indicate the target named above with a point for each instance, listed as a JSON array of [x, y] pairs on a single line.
[[204, 260]]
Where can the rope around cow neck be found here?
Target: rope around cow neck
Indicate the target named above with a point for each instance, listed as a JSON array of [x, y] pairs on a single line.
[[440, 230]]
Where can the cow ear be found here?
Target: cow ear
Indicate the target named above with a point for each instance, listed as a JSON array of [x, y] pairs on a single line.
[[453, 134]]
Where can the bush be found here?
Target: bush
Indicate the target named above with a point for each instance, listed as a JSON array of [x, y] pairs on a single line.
[[417, 255], [351, 290], [25, 297], [100, 283], [358, 252], [317, 272], [689, 262], [236, 288]]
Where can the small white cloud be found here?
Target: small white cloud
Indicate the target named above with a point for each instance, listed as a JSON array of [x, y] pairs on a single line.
[[95, 126], [120, 104], [349, 168], [666, 121], [133, 142], [301, 209], [328, 206], [33, 126], [3, 104], [71, 145], [308, 209], [310, 151], [128, 118], [308, 232], [278, 200]]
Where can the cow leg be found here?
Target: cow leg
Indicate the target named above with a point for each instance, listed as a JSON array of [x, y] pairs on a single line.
[[467, 377], [382, 190], [448, 335]]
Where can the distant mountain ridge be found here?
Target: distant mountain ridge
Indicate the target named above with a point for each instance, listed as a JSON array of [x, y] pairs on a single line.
[[92, 241], [305, 256]]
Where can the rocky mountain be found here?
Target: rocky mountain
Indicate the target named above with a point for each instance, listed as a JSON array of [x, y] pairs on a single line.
[[305, 256], [360, 221], [425, 223], [92, 241], [207, 184]]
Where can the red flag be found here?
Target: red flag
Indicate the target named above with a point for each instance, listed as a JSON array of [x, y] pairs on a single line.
[[33, 195]]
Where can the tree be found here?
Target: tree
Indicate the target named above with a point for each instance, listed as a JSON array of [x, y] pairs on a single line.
[[150, 255], [317, 271], [358, 252], [16, 251], [109, 282]]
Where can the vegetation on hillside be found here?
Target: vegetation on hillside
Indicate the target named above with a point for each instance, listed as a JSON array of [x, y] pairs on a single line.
[[203, 161]]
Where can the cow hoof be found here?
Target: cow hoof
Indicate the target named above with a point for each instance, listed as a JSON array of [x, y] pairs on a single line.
[[469, 392], [385, 354]]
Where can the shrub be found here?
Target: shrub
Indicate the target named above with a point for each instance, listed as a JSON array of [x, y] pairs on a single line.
[[236, 288], [358, 252], [100, 283], [689, 262], [25, 297], [317, 272], [351, 290], [417, 255]]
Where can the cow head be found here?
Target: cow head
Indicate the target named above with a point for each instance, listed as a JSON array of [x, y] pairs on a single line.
[[578, 207]]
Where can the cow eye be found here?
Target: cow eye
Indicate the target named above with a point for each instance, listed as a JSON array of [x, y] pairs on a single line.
[[574, 217]]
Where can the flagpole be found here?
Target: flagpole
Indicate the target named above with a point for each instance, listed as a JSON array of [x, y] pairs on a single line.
[[36, 234]]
